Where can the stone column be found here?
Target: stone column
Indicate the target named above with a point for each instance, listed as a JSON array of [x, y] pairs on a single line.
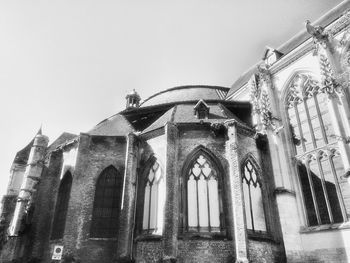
[[171, 210], [127, 213], [236, 195], [31, 177]]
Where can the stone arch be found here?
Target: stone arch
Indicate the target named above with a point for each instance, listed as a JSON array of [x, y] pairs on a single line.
[[61, 207], [107, 203], [213, 164]]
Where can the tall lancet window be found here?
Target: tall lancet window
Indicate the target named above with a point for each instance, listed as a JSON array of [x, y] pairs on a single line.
[[59, 221], [203, 195], [254, 208], [107, 202], [153, 206]]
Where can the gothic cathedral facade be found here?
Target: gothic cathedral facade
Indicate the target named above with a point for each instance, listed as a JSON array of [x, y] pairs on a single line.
[[258, 172]]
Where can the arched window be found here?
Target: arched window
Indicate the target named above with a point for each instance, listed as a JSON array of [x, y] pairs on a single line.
[[107, 202], [313, 136], [59, 221], [203, 194], [154, 200], [253, 200]]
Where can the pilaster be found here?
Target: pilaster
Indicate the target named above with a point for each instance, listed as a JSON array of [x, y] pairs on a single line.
[[236, 195], [171, 221], [127, 213]]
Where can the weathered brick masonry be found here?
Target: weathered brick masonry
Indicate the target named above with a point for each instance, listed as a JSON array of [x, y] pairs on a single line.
[[198, 173]]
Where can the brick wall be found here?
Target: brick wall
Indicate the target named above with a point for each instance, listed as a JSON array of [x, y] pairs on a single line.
[[94, 155]]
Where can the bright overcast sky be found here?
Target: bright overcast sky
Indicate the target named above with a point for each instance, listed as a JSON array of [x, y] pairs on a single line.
[[68, 64]]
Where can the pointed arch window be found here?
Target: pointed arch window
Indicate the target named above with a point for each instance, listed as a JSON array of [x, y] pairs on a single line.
[[253, 199], [61, 208], [314, 138], [107, 202], [154, 200], [203, 202]]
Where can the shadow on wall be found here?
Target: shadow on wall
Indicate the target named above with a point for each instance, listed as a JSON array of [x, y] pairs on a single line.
[[66, 259]]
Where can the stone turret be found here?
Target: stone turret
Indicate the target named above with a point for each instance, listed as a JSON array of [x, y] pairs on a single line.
[[31, 177], [133, 100]]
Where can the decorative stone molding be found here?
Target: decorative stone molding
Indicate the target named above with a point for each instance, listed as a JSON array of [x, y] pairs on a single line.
[[260, 99]]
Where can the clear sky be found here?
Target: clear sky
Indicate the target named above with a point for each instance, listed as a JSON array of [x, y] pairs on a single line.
[[68, 64]]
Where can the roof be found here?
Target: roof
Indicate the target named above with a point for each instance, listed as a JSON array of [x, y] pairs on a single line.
[[22, 156], [183, 113], [187, 93], [63, 138], [293, 43], [243, 79], [116, 125]]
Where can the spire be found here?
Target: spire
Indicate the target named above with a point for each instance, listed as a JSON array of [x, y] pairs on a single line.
[[40, 131]]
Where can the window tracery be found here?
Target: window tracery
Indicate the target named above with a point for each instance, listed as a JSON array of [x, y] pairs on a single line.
[[203, 197], [107, 202], [253, 200], [154, 200], [316, 152]]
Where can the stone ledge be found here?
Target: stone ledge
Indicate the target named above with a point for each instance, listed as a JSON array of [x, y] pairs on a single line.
[[282, 190], [328, 227]]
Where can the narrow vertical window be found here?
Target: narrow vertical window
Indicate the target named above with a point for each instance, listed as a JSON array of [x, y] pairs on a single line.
[[107, 202], [154, 201], [203, 196], [254, 207], [59, 221]]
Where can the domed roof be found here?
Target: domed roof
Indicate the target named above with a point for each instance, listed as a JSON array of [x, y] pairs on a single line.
[[187, 93]]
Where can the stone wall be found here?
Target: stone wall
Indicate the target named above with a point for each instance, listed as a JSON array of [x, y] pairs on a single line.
[[95, 153]]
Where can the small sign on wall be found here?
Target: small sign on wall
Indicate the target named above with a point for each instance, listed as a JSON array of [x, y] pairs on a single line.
[[57, 253]]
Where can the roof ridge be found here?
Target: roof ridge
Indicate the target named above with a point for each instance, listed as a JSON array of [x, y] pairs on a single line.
[[173, 113], [225, 89]]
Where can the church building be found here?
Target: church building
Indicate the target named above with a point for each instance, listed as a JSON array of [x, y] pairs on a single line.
[[255, 172]]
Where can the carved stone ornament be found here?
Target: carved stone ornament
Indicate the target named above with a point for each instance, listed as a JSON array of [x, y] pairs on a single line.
[[334, 57], [264, 74], [259, 97], [331, 85]]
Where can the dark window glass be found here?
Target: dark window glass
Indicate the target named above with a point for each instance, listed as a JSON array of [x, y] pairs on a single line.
[[61, 207], [107, 202], [314, 138]]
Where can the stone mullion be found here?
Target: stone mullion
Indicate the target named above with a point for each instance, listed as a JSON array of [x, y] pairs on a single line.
[[313, 194], [171, 208], [339, 130], [127, 213], [236, 195], [345, 110], [319, 115], [339, 195], [330, 214], [309, 123], [299, 126]]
